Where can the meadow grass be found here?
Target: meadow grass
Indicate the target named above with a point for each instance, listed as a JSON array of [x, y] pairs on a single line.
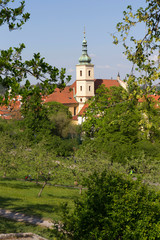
[[22, 196]]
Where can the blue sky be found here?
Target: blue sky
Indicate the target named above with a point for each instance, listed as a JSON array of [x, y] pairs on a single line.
[[55, 29]]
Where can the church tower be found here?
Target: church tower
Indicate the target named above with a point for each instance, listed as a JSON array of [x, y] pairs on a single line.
[[84, 77]]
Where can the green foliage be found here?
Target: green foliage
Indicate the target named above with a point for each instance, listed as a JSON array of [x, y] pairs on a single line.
[[86, 160], [50, 123], [114, 207], [125, 124], [11, 15], [60, 117], [7, 154], [104, 99], [141, 51], [121, 128], [36, 123], [56, 107], [10, 147], [13, 70]]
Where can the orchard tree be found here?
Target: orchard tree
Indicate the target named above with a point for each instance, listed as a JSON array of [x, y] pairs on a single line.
[[39, 164], [7, 155], [11, 145], [43, 165]]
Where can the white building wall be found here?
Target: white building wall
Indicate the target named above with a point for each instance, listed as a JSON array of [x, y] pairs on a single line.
[[85, 72], [85, 88], [80, 120], [90, 88], [81, 88]]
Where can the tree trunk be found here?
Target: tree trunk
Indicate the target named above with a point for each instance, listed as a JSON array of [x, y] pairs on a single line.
[[37, 179], [40, 192]]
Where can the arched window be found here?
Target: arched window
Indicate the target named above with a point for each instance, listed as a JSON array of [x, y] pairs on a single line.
[[80, 99], [80, 88], [81, 73], [89, 88], [89, 73]]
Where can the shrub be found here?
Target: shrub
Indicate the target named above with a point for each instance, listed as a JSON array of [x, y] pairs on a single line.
[[114, 207]]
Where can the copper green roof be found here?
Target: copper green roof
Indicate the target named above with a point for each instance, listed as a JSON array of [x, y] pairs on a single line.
[[84, 59]]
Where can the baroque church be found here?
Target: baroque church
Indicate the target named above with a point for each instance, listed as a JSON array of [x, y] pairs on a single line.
[[76, 95]]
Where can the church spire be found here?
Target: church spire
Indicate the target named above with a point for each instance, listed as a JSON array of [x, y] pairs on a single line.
[[118, 76], [84, 59]]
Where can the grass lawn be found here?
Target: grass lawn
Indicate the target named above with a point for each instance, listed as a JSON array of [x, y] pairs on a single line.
[[21, 196]]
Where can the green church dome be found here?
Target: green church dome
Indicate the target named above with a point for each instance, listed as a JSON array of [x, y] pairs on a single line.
[[84, 59]]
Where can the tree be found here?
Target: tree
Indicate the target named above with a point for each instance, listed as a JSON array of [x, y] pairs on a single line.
[[61, 117], [50, 121], [141, 51], [40, 164], [114, 207], [11, 15], [13, 70], [104, 99], [10, 147], [119, 128], [56, 107]]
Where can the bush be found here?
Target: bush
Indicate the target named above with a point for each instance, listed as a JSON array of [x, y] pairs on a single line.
[[114, 207]]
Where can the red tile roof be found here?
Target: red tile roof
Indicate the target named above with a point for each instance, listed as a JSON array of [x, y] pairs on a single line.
[[155, 99], [64, 96], [73, 86], [107, 82], [12, 110]]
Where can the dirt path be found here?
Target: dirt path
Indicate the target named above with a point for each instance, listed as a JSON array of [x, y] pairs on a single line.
[[20, 217]]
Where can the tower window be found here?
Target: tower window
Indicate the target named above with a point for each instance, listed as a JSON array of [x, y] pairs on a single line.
[[80, 88], [81, 73], [89, 88], [80, 99], [89, 73], [74, 111]]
